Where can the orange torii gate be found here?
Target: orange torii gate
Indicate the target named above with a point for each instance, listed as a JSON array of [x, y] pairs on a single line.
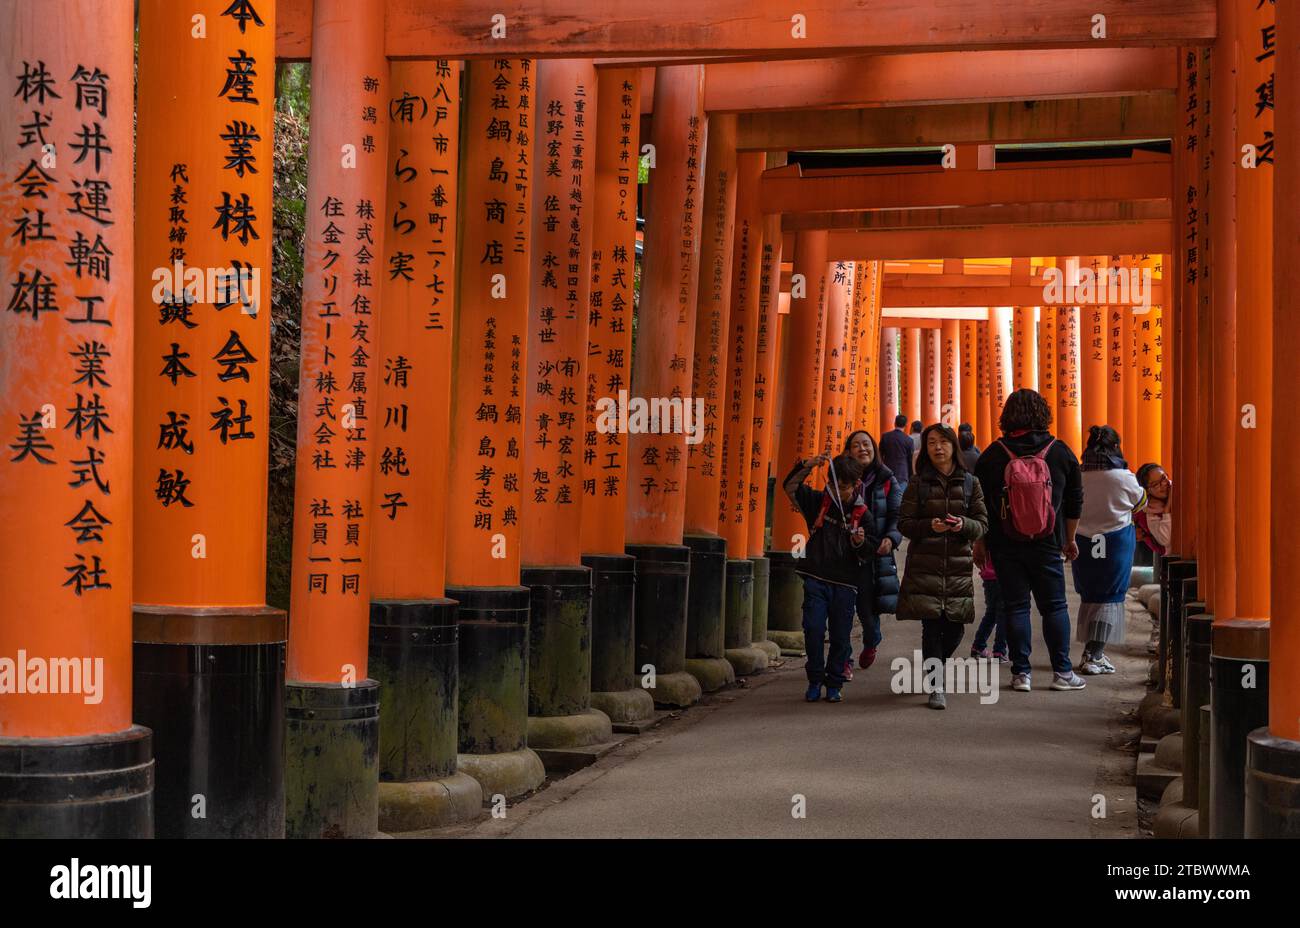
[[615, 690], [209, 651], [65, 476], [414, 637]]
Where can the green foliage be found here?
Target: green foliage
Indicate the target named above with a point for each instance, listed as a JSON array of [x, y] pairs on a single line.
[[289, 225]]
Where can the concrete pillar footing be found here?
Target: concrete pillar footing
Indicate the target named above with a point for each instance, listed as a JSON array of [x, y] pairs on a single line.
[[633, 705], [676, 690], [419, 805], [746, 661], [510, 774], [770, 648], [1272, 786], [713, 673], [790, 643], [569, 731]]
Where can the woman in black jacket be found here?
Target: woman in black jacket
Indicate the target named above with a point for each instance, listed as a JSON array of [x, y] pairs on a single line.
[[943, 514], [878, 591]]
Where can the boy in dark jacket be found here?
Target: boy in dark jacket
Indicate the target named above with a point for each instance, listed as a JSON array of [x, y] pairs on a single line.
[[832, 566]]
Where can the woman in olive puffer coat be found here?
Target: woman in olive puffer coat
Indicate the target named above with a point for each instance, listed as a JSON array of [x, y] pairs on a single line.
[[943, 514]]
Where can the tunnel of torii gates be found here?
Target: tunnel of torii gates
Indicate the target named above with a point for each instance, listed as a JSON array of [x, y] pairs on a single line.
[[497, 554]]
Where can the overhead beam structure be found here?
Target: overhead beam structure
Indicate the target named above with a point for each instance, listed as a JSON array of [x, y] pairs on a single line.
[[1155, 237], [1022, 214], [773, 28], [833, 192], [1140, 116]]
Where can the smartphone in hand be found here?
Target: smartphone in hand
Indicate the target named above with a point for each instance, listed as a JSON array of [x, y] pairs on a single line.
[[952, 520]]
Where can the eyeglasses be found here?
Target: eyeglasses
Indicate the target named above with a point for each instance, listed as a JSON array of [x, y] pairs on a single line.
[[1162, 480]]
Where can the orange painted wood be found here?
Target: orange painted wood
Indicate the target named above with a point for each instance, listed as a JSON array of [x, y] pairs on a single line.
[[329, 605], [767, 351], [783, 194], [998, 242], [938, 77], [968, 390], [986, 428], [1080, 215], [897, 296], [1069, 411], [1149, 333], [931, 378], [889, 377], [1224, 417], [1116, 365], [1255, 80], [1048, 372], [741, 361], [609, 334], [486, 481], [1128, 335], [666, 318], [1024, 347], [835, 362], [1000, 364], [801, 380], [909, 375], [1284, 630], [950, 373], [867, 312], [1094, 394], [1101, 119], [558, 312], [591, 28], [712, 324], [201, 356], [418, 296], [66, 383]]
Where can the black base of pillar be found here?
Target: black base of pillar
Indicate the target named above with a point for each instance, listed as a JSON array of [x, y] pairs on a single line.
[[493, 651], [785, 594], [1203, 774], [613, 621], [1196, 693], [95, 786], [1177, 646], [209, 683], [414, 656], [1272, 786], [615, 686], [1173, 571], [1239, 658], [762, 582], [662, 595], [739, 604], [331, 770], [559, 639], [707, 599]]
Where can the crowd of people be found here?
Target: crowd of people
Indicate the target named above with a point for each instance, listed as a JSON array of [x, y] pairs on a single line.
[[1016, 512]]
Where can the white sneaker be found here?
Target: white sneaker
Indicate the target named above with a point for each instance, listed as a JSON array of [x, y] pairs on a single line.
[[1104, 663], [1092, 668], [1020, 682], [1068, 681]]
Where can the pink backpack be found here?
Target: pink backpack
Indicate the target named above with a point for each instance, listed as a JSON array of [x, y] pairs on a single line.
[[1027, 512]]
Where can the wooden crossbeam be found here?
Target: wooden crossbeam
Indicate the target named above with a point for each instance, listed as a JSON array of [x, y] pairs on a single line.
[[936, 77], [616, 28], [1004, 295], [1141, 116], [1153, 237], [939, 188], [1027, 213]]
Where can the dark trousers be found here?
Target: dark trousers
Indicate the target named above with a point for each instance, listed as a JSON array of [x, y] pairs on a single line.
[[1023, 572], [995, 617], [866, 599], [827, 605], [940, 637]]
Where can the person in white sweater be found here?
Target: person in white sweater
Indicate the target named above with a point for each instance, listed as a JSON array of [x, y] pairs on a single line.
[[1106, 539]]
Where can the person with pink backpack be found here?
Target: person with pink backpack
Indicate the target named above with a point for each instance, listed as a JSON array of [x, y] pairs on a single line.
[[1034, 489]]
